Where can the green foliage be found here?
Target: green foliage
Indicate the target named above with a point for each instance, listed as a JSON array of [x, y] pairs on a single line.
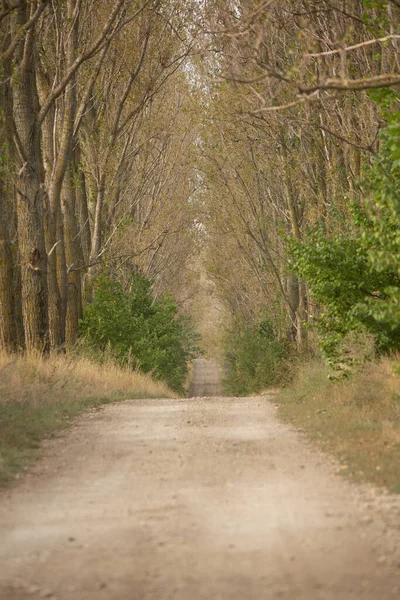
[[252, 356], [139, 331], [356, 276], [375, 16]]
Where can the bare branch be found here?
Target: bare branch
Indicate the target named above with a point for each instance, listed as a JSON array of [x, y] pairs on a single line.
[[96, 46], [365, 83], [368, 148], [355, 46]]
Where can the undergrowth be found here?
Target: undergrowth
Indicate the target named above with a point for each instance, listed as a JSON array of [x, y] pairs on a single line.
[[254, 357], [138, 330]]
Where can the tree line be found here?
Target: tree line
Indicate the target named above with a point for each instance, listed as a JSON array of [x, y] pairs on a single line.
[[301, 159], [96, 138], [254, 143]]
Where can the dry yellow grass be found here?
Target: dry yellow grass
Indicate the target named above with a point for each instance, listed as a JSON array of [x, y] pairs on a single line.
[[357, 419], [31, 377], [38, 397]]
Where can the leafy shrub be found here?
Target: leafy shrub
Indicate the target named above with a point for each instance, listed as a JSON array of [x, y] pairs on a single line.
[[253, 354], [138, 330], [355, 276]]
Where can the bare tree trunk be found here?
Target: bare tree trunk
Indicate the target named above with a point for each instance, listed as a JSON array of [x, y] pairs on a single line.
[[30, 193], [58, 286], [17, 295], [57, 335], [8, 335], [8, 332], [293, 282], [82, 205], [96, 239], [74, 259], [52, 217], [62, 276]]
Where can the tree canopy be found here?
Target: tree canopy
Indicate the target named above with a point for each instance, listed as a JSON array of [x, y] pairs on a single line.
[[242, 156]]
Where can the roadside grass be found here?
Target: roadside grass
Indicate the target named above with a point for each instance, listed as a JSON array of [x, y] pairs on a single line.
[[39, 397], [358, 419]]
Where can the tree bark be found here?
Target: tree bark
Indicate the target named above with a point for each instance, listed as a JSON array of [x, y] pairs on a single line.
[[30, 190], [96, 238], [8, 334], [8, 331], [74, 258], [82, 204], [58, 285]]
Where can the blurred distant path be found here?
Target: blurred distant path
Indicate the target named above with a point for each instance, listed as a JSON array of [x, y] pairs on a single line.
[[205, 378]]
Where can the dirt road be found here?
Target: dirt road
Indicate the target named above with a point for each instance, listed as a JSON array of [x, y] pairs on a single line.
[[193, 499], [205, 378]]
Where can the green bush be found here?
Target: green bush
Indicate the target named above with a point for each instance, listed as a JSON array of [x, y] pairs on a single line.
[[253, 354], [136, 329], [355, 275]]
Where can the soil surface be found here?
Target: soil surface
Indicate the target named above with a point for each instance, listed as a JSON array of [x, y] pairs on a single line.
[[205, 498]]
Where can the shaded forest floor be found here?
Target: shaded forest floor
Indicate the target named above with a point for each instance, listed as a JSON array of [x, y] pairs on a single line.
[[358, 420], [40, 397]]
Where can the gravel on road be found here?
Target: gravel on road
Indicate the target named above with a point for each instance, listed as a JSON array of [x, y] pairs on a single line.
[[200, 498]]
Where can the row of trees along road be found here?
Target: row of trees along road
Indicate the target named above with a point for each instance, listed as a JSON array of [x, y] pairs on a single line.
[[96, 136], [131, 132], [302, 90]]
